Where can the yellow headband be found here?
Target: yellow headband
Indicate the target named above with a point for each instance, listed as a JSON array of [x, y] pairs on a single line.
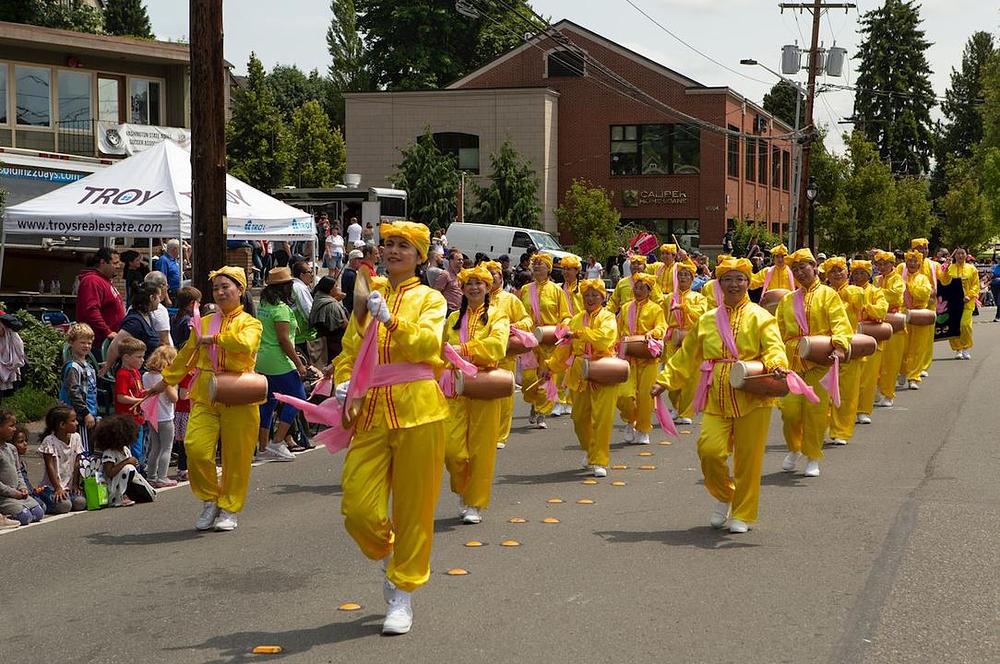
[[416, 234], [801, 256], [780, 250], [492, 266], [238, 274], [722, 258], [919, 242], [478, 272], [861, 265], [593, 284], [836, 261], [914, 254], [646, 278], [687, 265], [734, 265], [570, 262], [885, 256], [637, 258], [668, 248], [544, 258]]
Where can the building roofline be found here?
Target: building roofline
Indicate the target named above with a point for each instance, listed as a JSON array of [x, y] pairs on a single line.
[[54, 39], [467, 91], [722, 89]]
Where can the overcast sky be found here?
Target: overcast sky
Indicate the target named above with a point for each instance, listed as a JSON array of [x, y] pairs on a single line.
[[294, 32]]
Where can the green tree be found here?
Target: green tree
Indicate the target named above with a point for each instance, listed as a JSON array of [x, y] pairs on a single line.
[[990, 108], [780, 102], [589, 217], [53, 14], [747, 232], [894, 96], [292, 88], [348, 69], [257, 141], [127, 18], [913, 205], [431, 180], [320, 154], [968, 220], [511, 199], [990, 182]]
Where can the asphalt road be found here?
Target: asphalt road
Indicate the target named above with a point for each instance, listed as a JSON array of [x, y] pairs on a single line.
[[890, 556]]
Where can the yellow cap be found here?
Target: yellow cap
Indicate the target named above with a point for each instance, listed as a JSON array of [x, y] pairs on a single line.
[[835, 261], [478, 272], [734, 265], [779, 250], [687, 265], [238, 274], [542, 258], [593, 284], [668, 248], [416, 234], [861, 265], [801, 256], [492, 266], [919, 242], [637, 258], [884, 256], [569, 262], [645, 277], [914, 254]]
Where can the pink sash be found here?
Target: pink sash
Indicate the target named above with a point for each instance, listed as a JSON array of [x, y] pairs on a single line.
[[536, 306], [830, 381], [569, 300], [724, 328], [447, 380], [907, 298], [799, 309]]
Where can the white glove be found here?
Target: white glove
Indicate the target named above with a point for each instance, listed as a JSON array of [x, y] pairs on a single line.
[[341, 391], [378, 308]]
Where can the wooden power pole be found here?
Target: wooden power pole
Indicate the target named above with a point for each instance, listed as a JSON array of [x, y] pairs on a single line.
[[208, 142]]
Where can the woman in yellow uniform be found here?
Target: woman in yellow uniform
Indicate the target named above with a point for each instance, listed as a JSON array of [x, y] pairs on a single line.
[[593, 334], [479, 332], [970, 284], [398, 445], [779, 275], [712, 289], [876, 307], [664, 270], [640, 317], [574, 302], [930, 269], [856, 304], [682, 309], [917, 295], [511, 307], [735, 422], [227, 341], [811, 309], [891, 284], [545, 302], [623, 289]]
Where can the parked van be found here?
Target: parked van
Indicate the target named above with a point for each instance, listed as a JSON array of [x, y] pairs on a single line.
[[495, 241]]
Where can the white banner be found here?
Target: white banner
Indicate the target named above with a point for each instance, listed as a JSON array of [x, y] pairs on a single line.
[[129, 139]]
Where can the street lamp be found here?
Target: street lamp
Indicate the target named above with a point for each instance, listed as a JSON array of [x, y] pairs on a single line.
[[811, 191]]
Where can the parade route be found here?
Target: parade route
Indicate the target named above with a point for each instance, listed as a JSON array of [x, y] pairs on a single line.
[[890, 556]]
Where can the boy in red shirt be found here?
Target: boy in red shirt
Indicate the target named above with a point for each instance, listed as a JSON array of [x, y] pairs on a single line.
[[129, 392]]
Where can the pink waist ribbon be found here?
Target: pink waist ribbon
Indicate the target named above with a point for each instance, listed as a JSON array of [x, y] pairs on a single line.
[[831, 382], [724, 327], [663, 417], [704, 381], [527, 339], [447, 380]]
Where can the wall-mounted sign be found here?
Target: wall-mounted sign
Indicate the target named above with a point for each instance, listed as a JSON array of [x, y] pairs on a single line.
[[639, 197], [129, 139]]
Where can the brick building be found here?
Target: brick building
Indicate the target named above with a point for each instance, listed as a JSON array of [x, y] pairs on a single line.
[[665, 174]]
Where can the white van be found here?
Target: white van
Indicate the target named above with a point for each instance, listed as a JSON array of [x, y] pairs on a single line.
[[495, 241]]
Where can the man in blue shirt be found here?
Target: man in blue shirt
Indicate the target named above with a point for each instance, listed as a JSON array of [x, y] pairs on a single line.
[[169, 265]]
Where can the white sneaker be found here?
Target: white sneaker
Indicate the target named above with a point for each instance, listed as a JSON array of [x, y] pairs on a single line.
[[720, 514], [225, 522], [913, 385], [600, 471], [682, 420], [209, 512], [280, 452], [643, 439], [738, 527], [966, 355], [959, 355], [792, 458], [923, 374], [501, 444], [556, 410], [864, 418], [399, 616], [540, 423], [812, 469], [567, 409], [838, 441], [472, 516], [629, 433], [532, 417], [883, 402]]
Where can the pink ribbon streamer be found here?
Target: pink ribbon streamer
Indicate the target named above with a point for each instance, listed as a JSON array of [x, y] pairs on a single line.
[[562, 336], [447, 380], [663, 417], [799, 309], [527, 361], [323, 388], [551, 391], [831, 382], [151, 410], [655, 346], [527, 339], [800, 387]]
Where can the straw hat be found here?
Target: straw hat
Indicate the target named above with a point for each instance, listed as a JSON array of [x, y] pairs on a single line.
[[279, 275]]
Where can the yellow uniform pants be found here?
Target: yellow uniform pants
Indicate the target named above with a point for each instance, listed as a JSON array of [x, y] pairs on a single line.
[[634, 401], [471, 448], [565, 394], [745, 439], [507, 403], [408, 463], [919, 347], [842, 419], [928, 355], [892, 363], [236, 427], [593, 417], [964, 341], [536, 395], [869, 380], [804, 423]]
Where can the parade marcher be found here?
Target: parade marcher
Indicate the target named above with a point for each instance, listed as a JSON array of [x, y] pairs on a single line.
[[735, 422], [970, 284], [894, 352], [623, 289], [876, 307], [574, 302], [511, 307], [930, 269], [811, 309], [917, 295], [682, 310], [642, 317], [857, 307], [226, 341], [664, 270], [592, 335], [398, 444], [478, 331], [547, 305], [712, 290], [779, 275]]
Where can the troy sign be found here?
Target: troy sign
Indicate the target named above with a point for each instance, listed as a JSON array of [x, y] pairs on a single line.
[[115, 196]]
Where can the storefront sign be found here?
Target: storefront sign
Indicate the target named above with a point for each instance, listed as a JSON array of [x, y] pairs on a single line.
[[43, 174], [639, 197], [128, 139]]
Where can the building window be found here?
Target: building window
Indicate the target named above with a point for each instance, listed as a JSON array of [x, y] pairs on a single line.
[[786, 169], [751, 160], [33, 96], [145, 102], [465, 147], [73, 90], [109, 95], [3, 93], [564, 64], [775, 167], [762, 161], [655, 149], [686, 230], [733, 153]]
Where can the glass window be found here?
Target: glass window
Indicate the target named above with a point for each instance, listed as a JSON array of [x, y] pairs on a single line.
[[74, 99], [3, 93], [786, 169], [655, 149], [108, 99], [565, 63], [521, 240], [624, 150], [686, 150], [465, 147], [545, 241], [775, 167], [751, 161], [145, 102], [762, 161], [733, 154], [31, 85]]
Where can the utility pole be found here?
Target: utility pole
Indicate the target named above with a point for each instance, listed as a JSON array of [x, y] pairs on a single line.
[[208, 142]]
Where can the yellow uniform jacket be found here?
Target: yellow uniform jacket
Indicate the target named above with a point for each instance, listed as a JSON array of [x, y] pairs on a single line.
[[552, 304], [623, 294], [596, 334], [574, 300], [487, 344], [648, 320], [970, 281], [664, 276], [826, 316], [692, 306], [781, 277]]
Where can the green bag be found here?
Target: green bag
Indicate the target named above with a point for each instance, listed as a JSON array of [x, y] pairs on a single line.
[[96, 493]]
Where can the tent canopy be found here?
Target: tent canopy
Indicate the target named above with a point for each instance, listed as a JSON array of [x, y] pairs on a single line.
[[149, 195]]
